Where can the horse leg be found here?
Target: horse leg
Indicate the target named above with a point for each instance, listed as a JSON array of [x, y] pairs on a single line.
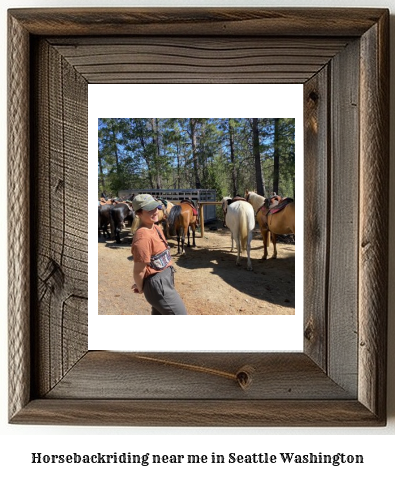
[[249, 238], [265, 237], [231, 236], [112, 228], [264, 234], [182, 241], [103, 231], [238, 243], [178, 241], [193, 235], [118, 234], [188, 245], [274, 240]]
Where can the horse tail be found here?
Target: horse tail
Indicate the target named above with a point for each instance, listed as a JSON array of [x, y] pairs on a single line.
[[175, 212], [243, 229], [166, 211]]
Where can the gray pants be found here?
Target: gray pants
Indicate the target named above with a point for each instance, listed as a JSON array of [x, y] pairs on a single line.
[[160, 293]]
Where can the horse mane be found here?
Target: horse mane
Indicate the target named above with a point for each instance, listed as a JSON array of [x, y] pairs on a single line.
[[255, 199], [225, 202]]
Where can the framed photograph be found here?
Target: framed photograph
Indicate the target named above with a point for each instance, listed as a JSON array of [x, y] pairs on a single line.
[[270, 296], [341, 57]]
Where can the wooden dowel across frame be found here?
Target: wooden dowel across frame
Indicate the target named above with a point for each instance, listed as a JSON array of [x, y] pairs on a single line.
[[341, 56]]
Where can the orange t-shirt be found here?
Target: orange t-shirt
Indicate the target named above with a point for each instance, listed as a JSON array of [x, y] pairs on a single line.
[[147, 243]]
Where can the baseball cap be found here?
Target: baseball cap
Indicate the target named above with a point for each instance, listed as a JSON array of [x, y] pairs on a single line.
[[146, 202]]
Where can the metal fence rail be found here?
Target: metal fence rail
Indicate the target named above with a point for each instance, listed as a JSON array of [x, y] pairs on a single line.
[[176, 195]]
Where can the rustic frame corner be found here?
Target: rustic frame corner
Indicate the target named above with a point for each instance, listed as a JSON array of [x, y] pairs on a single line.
[[342, 58]]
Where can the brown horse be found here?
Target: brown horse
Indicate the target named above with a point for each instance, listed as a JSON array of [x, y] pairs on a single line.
[[164, 216], [281, 222], [182, 217]]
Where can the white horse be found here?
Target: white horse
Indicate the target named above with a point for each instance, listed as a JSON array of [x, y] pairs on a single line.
[[255, 199], [240, 220]]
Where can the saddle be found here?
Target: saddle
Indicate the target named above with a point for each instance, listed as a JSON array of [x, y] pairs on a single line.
[[106, 201], [236, 198], [275, 199], [277, 206]]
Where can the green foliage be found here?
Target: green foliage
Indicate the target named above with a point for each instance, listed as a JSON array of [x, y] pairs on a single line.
[[181, 152]]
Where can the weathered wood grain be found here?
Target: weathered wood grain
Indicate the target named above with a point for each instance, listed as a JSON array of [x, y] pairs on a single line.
[[259, 22], [202, 413], [164, 59], [346, 150], [196, 376], [316, 214], [61, 234], [373, 227], [344, 217], [18, 229]]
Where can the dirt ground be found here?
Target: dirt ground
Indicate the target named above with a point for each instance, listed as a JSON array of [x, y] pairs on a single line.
[[207, 277]]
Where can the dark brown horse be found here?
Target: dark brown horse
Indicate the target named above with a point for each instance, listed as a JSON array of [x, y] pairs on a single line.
[[182, 217], [119, 214], [104, 220]]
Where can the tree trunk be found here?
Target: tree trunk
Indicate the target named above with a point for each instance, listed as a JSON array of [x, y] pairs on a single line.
[[178, 166], [101, 174], [276, 156], [114, 138], [147, 161], [232, 157], [114, 141], [195, 157], [155, 141], [260, 187]]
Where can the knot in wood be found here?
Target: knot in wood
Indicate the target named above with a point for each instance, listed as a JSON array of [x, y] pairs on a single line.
[[308, 332], [313, 96], [244, 376]]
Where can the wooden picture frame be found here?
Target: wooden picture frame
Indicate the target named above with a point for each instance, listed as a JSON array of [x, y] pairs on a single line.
[[342, 58]]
